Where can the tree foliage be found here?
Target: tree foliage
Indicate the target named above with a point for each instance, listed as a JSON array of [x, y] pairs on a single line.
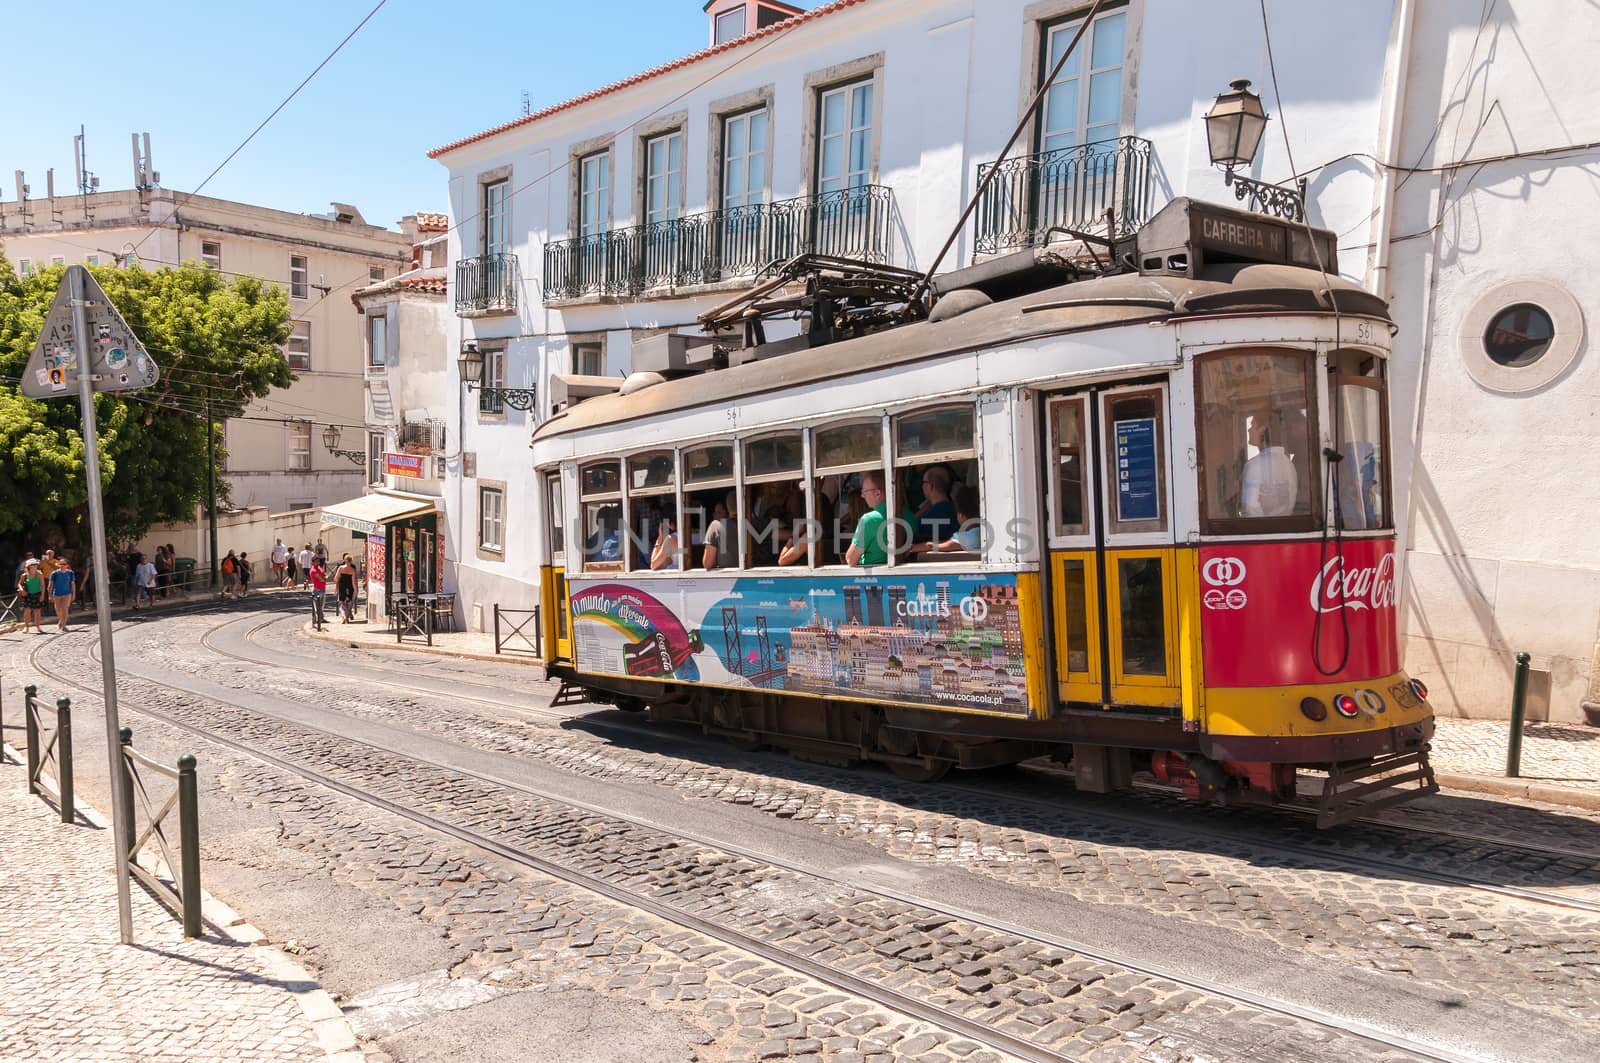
[[211, 339]]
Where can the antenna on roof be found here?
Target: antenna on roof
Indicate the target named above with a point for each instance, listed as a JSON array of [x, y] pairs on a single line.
[[144, 176], [527, 103]]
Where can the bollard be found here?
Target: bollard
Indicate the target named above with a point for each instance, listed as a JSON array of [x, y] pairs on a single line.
[[1519, 697], [30, 729], [64, 756], [125, 780], [189, 844]]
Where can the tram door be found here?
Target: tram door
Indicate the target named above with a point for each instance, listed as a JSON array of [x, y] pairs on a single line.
[[555, 582], [1113, 563]]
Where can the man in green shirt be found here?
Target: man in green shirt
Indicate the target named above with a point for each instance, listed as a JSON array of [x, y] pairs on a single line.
[[870, 544]]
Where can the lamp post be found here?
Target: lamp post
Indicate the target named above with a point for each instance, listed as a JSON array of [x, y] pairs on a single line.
[[471, 364], [1233, 134], [330, 439]]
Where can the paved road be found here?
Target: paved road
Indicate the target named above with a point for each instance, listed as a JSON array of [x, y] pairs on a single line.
[[598, 870]]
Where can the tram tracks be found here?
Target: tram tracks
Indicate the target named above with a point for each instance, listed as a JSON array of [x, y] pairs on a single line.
[[923, 1006]]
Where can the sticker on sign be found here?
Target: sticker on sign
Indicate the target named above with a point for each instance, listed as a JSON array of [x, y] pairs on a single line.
[[117, 360]]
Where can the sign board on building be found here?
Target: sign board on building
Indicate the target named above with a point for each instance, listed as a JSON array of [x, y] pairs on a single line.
[[404, 465], [117, 360]]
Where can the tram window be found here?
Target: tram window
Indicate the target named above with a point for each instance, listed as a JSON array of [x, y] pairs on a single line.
[[774, 498], [710, 507], [1075, 598], [558, 522], [1142, 621], [1069, 435], [1360, 429], [652, 520], [1256, 441], [841, 453], [1136, 459], [935, 459], [600, 486]]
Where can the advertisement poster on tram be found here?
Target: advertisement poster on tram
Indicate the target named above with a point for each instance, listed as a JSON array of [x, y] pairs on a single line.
[[941, 639], [1282, 614]]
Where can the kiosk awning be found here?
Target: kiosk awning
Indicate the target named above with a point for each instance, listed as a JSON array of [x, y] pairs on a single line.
[[369, 513]]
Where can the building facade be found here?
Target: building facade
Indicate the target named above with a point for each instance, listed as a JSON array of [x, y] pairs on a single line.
[[276, 457], [862, 128]]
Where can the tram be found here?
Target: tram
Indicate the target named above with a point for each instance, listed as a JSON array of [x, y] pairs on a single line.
[[1129, 508]]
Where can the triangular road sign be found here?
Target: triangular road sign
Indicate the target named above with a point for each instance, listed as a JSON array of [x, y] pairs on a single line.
[[117, 360]]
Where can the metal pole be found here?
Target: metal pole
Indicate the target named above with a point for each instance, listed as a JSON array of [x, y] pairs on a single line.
[[124, 782], [30, 731], [189, 845], [64, 756], [102, 585], [1519, 697], [211, 490]]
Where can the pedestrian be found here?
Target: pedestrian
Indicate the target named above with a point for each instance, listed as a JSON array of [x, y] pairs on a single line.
[[280, 561], [345, 581], [144, 582], [22, 566], [63, 589], [163, 572], [47, 564], [30, 586], [244, 574], [317, 579], [304, 561], [230, 575]]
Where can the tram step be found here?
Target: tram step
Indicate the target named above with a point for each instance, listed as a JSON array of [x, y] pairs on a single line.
[[1345, 798], [570, 694]]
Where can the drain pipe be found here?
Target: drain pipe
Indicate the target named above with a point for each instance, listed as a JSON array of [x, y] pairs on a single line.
[[1393, 118]]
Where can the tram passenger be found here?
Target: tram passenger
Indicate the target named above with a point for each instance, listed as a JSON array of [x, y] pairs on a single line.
[[664, 554], [967, 535], [936, 517], [870, 544], [719, 550]]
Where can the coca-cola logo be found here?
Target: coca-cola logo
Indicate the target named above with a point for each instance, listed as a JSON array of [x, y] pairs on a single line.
[[1371, 587]]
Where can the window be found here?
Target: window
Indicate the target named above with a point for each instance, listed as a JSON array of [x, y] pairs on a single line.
[[729, 25], [299, 277], [652, 512], [841, 453], [744, 185], [25, 265], [936, 462], [588, 359], [1136, 445], [497, 217], [377, 340], [58, 260], [491, 518], [91, 260], [301, 505], [1085, 103], [1361, 429], [375, 457], [491, 401], [600, 489], [1256, 434], [774, 504], [374, 274], [844, 137], [300, 446], [711, 506], [594, 182], [663, 185], [1069, 437], [298, 349], [558, 521], [211, 254], [1518, 335]]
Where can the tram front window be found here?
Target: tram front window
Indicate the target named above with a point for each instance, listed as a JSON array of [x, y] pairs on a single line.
[[1256, 433], [1360, 413]]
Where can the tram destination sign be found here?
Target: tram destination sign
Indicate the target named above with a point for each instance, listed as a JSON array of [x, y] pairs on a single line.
[[1203, 232]]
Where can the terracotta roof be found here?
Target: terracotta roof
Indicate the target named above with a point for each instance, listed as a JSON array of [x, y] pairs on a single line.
[[437, 284], [654, 72], [431, 222]]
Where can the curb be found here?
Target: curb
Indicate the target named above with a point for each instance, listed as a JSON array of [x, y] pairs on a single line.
[[323, 1014], [1533, 791], [330, 635]]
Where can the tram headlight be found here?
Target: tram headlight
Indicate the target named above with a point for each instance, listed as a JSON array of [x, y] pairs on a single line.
[[1313, 709], [1346, 706], [1420, 689]]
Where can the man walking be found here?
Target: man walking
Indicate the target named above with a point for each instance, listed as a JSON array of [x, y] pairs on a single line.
[[280, 561], [307, 556], [63, 588], [144, 582]]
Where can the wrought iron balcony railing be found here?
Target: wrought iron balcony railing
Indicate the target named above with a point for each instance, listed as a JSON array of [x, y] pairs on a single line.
[[488, 282], [1071, 188], [721, 244]]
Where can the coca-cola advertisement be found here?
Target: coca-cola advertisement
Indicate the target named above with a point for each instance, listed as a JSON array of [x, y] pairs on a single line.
[[1278, 614]]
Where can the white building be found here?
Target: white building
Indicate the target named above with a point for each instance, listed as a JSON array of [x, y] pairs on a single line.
[[862, 128]]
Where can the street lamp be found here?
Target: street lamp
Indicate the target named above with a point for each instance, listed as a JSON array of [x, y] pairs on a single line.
[[471, 364], [1233, 134], [330, 439]]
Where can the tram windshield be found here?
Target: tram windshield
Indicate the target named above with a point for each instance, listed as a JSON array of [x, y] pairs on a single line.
[[1360, 415], [1256, 432]]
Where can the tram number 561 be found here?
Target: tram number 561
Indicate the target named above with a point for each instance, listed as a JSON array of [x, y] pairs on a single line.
[[1365, 333]]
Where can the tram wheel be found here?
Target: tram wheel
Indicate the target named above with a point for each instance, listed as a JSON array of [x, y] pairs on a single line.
[[631, 705], [928, 769]]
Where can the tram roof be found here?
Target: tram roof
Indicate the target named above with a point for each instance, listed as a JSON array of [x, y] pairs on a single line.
[[1104, 302]]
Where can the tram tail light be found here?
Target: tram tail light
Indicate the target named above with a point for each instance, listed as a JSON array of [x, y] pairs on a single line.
[[1420, 689], [1346, 706], [1313, 709]]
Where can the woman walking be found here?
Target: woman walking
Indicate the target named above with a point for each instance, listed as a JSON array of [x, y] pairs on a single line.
[[244, 574], [63, 588], [345, 578], [30, 585]]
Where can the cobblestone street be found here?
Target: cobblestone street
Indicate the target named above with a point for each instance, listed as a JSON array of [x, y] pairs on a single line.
[[456, 859]]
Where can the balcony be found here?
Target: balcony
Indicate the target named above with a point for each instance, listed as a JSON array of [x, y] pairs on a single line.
[[720, 245], [487, 284], [1070, 188]]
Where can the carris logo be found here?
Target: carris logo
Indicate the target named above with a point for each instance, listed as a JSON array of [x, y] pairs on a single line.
[[975, 609], [1371, 587], [1223, 571]]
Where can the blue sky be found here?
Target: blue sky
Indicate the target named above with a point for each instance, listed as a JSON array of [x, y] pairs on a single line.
[[198, 76]]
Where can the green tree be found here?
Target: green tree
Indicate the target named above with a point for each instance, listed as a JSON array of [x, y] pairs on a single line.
[[211, 339]]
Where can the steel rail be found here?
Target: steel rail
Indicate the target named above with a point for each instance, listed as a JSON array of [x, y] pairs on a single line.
[[821, 972]]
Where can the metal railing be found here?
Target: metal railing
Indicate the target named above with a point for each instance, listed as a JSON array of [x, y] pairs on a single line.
[[182, 892], [52, 748], [518, 630], [1071, 188], [723, 244], [412, 616], [10, 609], [488, 282]]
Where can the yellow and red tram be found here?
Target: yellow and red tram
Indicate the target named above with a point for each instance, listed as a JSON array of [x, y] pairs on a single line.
[[1176, 500]]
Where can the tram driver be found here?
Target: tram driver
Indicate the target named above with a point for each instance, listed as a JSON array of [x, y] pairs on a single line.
[[1269, 484]]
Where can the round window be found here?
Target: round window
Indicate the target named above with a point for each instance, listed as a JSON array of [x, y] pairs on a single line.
[[1519, 335]]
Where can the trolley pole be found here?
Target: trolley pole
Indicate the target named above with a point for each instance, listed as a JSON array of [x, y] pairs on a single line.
[[1519, 698], [120, 812]]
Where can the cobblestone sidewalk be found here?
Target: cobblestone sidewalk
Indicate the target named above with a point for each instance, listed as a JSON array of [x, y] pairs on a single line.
[[68, 991], [1556, 754]]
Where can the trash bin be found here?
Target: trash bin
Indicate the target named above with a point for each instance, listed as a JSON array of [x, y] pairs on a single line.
[[183, 574]]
